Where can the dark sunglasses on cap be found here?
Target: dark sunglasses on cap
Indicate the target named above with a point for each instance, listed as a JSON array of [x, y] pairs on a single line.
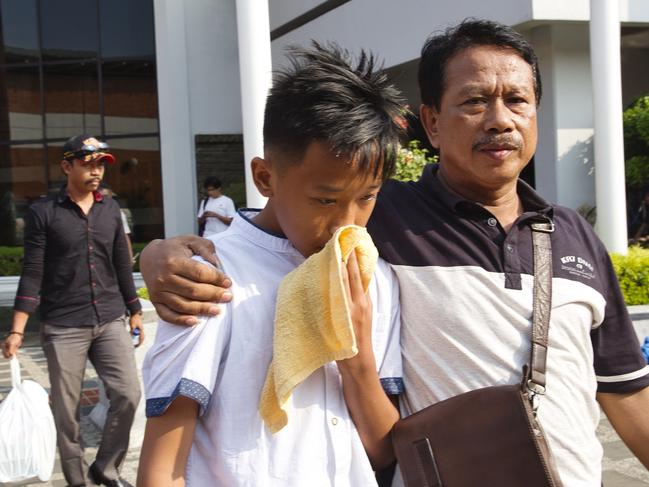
[[86, 150]]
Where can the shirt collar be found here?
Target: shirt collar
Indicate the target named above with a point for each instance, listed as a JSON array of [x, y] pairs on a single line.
[[63, 195], [243, 223], [533, 203]]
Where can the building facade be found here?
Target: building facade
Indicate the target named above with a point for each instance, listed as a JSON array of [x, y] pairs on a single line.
[[160, 81], [75, 66]]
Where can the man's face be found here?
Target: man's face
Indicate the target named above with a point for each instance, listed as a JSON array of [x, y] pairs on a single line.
[[485, 127], [84, 176], [313, 198]]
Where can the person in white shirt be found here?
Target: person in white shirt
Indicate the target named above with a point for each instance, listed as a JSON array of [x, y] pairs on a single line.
[[331, 134], [107, 192], [215, 213]]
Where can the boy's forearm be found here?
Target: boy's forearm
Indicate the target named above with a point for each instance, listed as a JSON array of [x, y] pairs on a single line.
[[159, 479], [166, 446], [373, 413]]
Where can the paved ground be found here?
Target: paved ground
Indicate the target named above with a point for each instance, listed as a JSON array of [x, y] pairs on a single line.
[[620, 467]]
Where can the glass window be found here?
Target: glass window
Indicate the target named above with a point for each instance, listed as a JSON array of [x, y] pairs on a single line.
[[22, 181], [137, 180], [54, 154], [130, 97], [126, 28], [19, 31], [71, 100], [50, 90], [20, 104], [70, 29]]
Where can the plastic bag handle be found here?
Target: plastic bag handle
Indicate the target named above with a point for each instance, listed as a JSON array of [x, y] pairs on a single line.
[[15, 371]]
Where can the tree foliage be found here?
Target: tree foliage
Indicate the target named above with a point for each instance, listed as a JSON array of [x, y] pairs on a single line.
[[411, 161], [636, 143]]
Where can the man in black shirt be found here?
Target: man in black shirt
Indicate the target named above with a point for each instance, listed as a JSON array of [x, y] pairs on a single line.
[[77, 259]]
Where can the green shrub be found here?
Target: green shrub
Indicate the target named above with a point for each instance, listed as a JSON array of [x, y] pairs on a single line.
[[143, 293], [11, 261], [637, 171], [411, 161], [633, 273]]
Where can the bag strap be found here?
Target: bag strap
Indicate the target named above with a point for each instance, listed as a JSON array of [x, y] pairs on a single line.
[[15, 372], [542, 305]]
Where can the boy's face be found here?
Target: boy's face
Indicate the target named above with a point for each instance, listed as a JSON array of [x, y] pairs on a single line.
[[213, 192], [311, 199]]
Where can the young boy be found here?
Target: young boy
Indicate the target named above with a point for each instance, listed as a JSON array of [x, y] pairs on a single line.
[[215, 213], [331, 135]]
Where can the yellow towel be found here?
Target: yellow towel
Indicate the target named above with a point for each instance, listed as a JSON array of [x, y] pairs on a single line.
[[312, 321]]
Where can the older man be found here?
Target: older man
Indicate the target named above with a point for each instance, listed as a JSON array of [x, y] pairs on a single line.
[[460, 243]]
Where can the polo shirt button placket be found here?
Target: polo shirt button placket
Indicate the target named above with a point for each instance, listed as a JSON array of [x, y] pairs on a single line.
[[334, 413]]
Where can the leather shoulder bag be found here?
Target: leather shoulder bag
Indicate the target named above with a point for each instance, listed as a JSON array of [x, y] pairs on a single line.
[[488, 436]]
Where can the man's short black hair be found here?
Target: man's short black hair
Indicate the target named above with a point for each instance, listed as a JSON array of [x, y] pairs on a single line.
[[440, 48], [212, 182], [323, 96]]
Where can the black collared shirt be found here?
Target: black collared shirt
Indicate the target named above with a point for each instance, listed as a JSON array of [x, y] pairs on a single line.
[[79, 264]]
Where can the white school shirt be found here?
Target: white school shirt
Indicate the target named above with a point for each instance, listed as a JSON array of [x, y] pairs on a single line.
[[221, 363], [222, 205], [127, 229]]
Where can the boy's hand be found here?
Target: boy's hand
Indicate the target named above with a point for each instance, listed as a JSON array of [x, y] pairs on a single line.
[[360, 307], [181, 288], [371, 410]]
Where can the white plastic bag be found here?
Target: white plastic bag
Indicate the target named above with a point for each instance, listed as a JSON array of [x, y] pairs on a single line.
[[27, 432]]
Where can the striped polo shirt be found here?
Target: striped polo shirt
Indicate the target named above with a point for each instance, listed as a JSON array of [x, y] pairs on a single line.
[[466, 303]]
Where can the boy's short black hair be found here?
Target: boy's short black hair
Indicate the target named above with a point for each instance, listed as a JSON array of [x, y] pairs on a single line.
[[212, 182], [439, 48], [323, 96]]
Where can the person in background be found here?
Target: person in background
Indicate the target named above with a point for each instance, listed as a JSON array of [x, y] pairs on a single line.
[[216, 211], [77, 265], [107, 192]]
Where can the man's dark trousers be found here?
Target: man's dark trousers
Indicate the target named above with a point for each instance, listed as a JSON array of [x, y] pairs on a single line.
[[109, 348]]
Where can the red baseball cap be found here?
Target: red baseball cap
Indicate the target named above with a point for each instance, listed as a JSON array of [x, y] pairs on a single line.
[[87, 148]]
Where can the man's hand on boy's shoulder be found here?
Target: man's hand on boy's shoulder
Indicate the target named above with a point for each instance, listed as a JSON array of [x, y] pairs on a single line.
[[181, 288]]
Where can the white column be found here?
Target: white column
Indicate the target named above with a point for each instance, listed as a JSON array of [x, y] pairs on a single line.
[[609, 143], [176, 142], [253, 28]]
